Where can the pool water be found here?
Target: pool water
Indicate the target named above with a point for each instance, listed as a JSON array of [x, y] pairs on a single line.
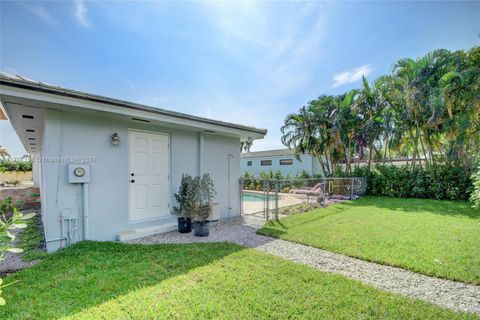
[[249, 196]]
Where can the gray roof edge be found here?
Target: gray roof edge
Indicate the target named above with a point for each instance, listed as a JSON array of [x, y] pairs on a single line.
[[20, 82]]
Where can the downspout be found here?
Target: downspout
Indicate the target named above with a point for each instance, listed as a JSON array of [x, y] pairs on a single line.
[[86, 229], [230, 156], [200, 153]]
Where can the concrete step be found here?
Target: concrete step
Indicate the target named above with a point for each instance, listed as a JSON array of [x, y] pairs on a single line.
[[147, 231]]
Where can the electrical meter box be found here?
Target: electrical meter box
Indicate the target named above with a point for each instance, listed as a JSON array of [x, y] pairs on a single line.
[[78, 173]]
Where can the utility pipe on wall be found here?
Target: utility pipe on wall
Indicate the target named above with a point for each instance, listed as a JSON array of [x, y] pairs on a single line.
[[80, 174], [200, 153], [230, 156], [86, 229]]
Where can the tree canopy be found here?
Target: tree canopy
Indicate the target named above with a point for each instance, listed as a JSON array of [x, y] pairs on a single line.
[[426, 110]]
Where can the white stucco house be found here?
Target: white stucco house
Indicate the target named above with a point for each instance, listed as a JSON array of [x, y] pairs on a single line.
[[107, 169], [283, 160]]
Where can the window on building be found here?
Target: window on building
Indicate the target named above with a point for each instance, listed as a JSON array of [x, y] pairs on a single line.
[[266, 162], [249, 163], [286, 162]]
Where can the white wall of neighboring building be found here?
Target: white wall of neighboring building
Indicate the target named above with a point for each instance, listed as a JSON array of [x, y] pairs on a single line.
[[253, 164]]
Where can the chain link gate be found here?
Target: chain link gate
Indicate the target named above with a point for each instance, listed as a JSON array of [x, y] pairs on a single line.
[[274, 198]]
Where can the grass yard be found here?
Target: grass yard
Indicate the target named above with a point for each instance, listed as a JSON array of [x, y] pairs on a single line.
[[31, 240], [93, 280], [434, 237]]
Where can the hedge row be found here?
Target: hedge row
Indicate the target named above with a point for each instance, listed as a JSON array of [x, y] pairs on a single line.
[[15, 166], [251, 182], [439, 181]]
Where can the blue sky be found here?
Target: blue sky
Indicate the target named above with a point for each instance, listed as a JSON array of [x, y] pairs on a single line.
[[250, 62]]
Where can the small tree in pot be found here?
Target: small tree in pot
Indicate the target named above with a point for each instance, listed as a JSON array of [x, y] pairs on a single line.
[[185, 199], [203, 193]]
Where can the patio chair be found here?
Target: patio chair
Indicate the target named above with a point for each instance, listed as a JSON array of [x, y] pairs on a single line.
[[307, 190], [317, 191]]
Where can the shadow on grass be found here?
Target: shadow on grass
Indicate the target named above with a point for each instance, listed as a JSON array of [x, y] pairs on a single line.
[[415, 205], [277, 228], [90, 273], [313, 216], [271, 232]]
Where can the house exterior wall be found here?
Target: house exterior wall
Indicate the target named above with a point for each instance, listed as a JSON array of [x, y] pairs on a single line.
[[306, 162], [222, 160], [36, 169], [86, 136]]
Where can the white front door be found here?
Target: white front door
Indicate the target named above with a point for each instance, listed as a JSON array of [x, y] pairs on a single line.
[[149, 176]]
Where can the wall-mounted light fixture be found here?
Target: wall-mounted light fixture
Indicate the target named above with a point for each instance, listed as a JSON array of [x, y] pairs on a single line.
[[115, 139]]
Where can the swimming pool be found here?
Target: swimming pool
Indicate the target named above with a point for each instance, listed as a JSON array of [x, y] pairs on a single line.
[[251, 196]]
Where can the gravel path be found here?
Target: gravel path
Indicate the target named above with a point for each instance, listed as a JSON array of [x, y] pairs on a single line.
[[12, 262], [449, 294]]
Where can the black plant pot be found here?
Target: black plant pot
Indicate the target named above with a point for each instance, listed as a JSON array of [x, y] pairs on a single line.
[[184, 225], [200, 228]]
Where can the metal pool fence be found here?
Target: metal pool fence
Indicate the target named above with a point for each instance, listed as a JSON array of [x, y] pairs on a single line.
[[274, 198]]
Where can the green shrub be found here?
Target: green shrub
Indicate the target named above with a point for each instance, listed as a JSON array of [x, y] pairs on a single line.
[[271, 176], [248, 180], [22, 166], [195, 197], [303, 175], [286, 189], [440, 181]]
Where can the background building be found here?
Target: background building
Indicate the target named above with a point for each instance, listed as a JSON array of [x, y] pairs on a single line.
[[282, 160]]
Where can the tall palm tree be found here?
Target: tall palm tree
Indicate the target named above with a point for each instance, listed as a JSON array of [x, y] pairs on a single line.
[[371, 107], [300, 132], [460, 91], [427, 109]]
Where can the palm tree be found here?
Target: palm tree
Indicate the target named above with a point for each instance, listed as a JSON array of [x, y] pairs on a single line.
[[300, 132], [460, 91], [371, 107], [427, 109], [246, 145]]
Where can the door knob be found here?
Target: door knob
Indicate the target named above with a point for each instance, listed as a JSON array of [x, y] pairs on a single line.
[[132, 181]]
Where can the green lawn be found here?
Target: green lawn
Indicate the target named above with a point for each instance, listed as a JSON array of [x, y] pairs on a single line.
[[198, 281], [434, 237], [31, 240]]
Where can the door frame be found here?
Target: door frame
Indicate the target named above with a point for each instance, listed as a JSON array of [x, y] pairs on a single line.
[[129, 144]]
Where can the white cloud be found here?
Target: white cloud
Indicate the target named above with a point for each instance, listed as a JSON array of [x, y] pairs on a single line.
[[277, 48], [351, 75], [81, 13], [39, 11]]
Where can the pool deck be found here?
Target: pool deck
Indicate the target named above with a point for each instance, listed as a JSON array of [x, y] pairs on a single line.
[[284, 200]]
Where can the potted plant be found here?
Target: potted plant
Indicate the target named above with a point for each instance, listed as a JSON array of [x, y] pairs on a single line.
[[185, 199], [203, 192]]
